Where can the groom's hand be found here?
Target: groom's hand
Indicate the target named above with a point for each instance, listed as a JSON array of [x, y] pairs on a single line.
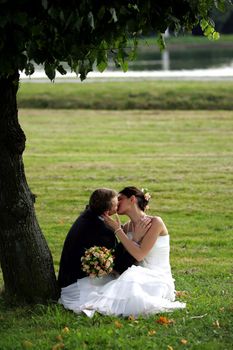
[[113, 224]]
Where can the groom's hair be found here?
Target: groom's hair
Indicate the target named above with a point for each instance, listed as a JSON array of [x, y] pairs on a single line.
[[101, 200]]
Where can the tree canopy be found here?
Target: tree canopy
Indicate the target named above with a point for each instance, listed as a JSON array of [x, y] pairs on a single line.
[[85, 32]]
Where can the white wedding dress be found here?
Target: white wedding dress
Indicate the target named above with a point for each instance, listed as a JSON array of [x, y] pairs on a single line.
[[143, 289]]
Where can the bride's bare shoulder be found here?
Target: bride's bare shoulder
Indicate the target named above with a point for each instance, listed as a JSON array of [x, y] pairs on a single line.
[[156, 220], [158, 223]]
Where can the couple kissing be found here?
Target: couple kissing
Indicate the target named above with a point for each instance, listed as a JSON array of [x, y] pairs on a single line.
[[141, 282]]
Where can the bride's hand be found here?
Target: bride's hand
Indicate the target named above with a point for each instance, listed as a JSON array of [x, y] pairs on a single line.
[[113, 224]]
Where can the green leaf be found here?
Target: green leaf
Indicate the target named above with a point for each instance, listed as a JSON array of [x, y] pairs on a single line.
[[102, 56], [84, 68], [220, 5], [203, 24], [216, 35], [102, 65], [124, 65], [117, 64], [50, 70], [122, 58], [61, 70], [132, 55], [209, 30], [161, 42]]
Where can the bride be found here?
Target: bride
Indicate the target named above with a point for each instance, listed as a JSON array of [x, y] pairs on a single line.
[[146, 287]]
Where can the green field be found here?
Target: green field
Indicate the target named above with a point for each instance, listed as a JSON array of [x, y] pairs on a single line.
[[184, 158], [121, 95]]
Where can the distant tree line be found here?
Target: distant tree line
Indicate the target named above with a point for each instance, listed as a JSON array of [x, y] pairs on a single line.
[[224, 22]]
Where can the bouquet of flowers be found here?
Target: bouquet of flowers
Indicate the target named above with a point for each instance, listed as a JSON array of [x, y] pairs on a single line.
[[97, 261]]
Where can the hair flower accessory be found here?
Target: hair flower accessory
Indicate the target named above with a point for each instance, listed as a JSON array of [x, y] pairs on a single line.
[[146, 193], [97, 261]]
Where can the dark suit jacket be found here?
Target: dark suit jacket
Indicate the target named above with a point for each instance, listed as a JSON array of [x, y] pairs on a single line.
[[87, 231]]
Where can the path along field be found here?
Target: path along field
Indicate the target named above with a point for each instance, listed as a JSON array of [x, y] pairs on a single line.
[[185, 159]]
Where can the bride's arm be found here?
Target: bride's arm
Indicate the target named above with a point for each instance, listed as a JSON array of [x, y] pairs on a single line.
[[138, 251]]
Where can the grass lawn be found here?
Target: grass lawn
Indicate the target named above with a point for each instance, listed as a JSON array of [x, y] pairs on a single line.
[[184, 158], [121, 95]]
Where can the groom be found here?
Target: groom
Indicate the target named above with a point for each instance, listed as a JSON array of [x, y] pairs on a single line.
[[87, 231]]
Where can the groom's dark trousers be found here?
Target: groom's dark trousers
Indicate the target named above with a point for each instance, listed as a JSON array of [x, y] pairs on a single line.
[[87, 231]]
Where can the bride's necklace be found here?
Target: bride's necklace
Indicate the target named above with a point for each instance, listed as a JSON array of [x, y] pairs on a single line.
[[133, 234], [136, 222]]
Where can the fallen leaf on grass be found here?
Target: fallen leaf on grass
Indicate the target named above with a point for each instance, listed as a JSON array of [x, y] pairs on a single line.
[[58, 346], [59, 337], [151, 332], [131, 318], [65, 330], [184, 341], [27, 344], [118, 324], [169, 347], [216, 324], [164, 320], [181, 293]]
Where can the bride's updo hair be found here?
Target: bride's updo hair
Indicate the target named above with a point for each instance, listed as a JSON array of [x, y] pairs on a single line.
[[140, 195]]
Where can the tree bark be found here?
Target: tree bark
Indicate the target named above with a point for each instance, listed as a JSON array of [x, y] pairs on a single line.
[[25, 258]]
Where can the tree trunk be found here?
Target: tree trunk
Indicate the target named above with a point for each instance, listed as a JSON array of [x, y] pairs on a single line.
[[25, 258]]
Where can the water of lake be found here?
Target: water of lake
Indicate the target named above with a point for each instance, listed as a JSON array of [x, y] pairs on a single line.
[[211, 61], [183, 58]]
